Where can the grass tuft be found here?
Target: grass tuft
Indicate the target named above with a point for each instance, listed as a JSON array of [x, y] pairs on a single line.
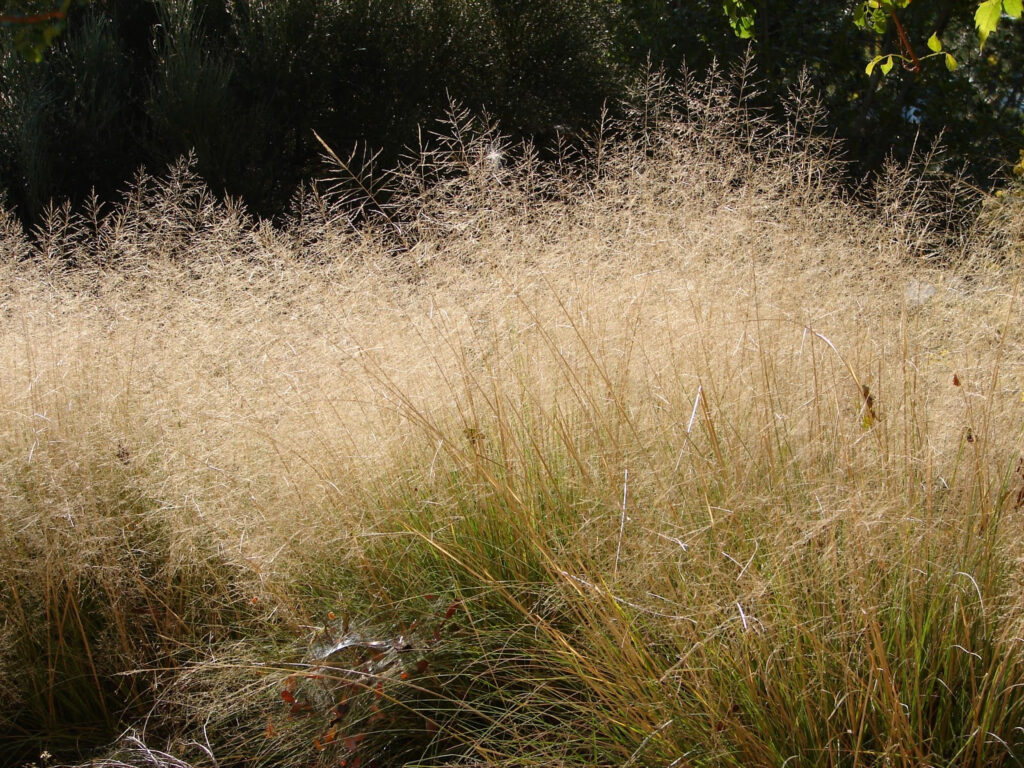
[[665, 452]]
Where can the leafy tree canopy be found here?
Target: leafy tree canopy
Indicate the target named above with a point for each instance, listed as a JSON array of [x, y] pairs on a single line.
[[245, 83], [39, 23], [881, 15]]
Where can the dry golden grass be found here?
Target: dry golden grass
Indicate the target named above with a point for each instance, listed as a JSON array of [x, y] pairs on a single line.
[[700, 478]]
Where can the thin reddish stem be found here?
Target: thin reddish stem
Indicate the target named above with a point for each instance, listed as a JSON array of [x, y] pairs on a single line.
[[34, 18], [908, 49]]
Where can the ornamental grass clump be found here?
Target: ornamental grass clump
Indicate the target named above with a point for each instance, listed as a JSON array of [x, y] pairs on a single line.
[[667, 452]]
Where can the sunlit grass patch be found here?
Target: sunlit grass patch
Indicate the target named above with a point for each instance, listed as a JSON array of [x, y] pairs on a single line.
[[657, 463]]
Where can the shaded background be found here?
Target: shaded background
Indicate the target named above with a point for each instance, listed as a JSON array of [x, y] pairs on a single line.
[[244, 83]]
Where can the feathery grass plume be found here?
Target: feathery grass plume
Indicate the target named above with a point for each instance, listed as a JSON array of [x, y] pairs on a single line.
[[640, 456]]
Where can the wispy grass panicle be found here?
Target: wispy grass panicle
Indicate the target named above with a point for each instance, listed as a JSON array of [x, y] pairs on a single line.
[[660, 451]]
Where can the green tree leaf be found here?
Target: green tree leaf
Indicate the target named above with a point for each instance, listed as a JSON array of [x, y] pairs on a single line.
[[934, 43], [1013, 8], [879, 21], [741, 17], [950, 62], [986, 18], [860, 15], [887, 65]]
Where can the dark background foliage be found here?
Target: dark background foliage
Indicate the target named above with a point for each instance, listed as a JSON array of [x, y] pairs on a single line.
[[245, 83]]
